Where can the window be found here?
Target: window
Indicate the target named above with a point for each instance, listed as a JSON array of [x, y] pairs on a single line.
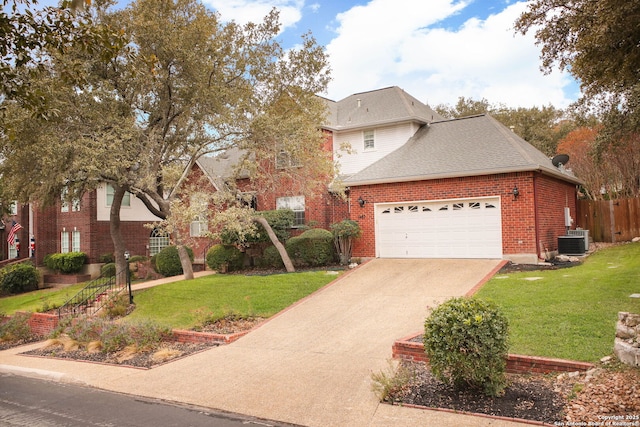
[[285, 159], [13, 208], [64, 242], [369, 140], [126, 200], [13, 252], [199, 205], [75, 202], [75, 241], [158, 241], [296, 204], [248, 200]]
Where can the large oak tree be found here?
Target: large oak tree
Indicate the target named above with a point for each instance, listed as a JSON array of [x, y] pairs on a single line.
[[187, 84], [597, 42]]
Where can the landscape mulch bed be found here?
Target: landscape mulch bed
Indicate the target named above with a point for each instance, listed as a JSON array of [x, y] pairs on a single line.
[[609, 392], [167, 351]]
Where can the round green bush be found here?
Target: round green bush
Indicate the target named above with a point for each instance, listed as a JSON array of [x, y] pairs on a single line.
[[312, 248], [19, 278], [220, 255], [168, 261], [108, 270], [65, 263], [466, 340]]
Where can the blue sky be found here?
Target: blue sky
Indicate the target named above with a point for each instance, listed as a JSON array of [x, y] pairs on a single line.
[[437, 50]]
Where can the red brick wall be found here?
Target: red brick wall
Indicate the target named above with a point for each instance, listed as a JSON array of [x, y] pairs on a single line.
[[407, 349], [95, 236], [552, 196], [541, 199]]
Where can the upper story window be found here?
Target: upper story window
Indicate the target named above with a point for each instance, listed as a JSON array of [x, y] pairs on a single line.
[[285, 159], [296, 204], [13, 208], [369, 139], [126, 200], [199, 225], [75, 202]]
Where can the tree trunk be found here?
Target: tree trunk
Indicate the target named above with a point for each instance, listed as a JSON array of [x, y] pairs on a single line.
[[279, 246], [116, 234], [185, 261]]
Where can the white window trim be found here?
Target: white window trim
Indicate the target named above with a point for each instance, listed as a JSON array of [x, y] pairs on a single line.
[[297, 204], [75, 241], [126, 200], [64, 242], [369, 139]]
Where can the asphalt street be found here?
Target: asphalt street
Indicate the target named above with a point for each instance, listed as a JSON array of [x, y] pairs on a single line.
[[38, 403]]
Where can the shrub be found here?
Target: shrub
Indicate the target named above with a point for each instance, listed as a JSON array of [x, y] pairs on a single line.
[[466, 340], [138, 258], [220, 255], [312, 248], [168, 261], [343, 234], [18, 278], [271, 258], [67, 263], [108, 270], [106, 258], [16, 328]]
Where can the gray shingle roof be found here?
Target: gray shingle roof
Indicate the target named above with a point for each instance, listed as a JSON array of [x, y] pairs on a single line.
[[220, 167], [377, 107], [476, 145]]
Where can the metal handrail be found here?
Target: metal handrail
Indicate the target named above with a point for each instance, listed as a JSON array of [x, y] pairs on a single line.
[[94, 296]]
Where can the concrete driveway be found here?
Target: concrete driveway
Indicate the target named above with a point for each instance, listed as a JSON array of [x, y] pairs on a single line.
[[310, 365]]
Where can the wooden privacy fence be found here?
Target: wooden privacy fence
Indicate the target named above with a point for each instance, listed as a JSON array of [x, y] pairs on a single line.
[[609, 220]]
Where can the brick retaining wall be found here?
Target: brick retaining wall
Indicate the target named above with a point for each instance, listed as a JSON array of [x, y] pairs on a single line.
[[44, 323], [413, 351]]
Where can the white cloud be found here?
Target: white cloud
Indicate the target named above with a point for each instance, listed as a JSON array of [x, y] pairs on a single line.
[[243, 11], [398, 42]]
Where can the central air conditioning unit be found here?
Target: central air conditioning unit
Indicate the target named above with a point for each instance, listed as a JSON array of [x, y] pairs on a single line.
[[571, 245]]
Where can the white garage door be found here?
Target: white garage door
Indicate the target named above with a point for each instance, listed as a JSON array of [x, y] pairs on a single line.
[[443, 229]]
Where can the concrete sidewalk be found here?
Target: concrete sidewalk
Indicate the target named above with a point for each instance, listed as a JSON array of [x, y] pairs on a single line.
[[310, 365]]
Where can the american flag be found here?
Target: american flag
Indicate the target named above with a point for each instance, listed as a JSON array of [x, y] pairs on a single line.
[[11, 237]]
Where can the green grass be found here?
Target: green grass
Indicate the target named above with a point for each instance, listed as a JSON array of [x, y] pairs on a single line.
[[40, 300], [184, 304], [569, 313]]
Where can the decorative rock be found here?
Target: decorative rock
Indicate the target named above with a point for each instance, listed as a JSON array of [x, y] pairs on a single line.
[[626, 353], [624, 332], [635, 239], [632, 320], [606, 359], [627, 342]]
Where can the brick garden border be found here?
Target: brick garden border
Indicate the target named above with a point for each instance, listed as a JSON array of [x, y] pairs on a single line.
[[413, 351], [44, 323]]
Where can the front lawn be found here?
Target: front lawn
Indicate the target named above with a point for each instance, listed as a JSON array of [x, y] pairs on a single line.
[[569, 313], [186, 304], [38, 301]]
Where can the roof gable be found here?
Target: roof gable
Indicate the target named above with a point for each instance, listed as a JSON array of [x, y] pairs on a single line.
[[382, 106], [470, 146]]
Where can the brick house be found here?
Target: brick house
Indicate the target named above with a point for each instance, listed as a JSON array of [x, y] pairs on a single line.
[[424, 186], [418, 184]]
